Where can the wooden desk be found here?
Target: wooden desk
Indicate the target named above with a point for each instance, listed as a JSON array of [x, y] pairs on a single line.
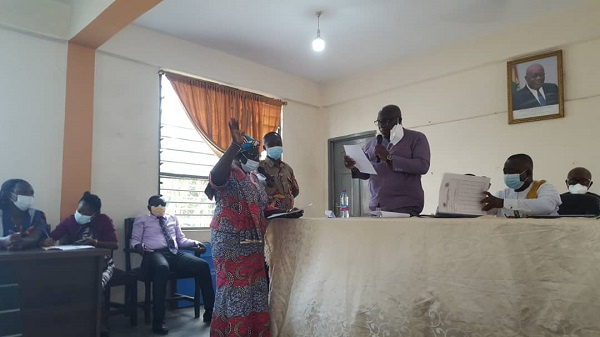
[[51, 293], [420, 277]]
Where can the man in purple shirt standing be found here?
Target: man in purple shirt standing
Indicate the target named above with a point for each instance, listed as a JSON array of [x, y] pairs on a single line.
[[158, 237], [400, 157]]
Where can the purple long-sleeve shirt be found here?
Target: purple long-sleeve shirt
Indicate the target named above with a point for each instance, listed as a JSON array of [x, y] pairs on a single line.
[[146, 230], [397, 186]]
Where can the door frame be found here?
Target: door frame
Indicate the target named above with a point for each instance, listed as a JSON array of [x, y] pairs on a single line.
[[330, 142]]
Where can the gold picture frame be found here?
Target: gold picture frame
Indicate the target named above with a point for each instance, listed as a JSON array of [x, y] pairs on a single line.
[[535, 88]]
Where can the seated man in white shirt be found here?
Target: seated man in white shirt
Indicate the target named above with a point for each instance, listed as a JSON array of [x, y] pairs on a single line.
[[524, 196]]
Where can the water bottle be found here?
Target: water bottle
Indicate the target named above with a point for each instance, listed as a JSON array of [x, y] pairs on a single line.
[[344, 205]]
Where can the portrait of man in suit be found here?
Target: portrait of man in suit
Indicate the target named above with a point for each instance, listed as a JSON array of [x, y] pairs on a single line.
[[535, 88], [536, 93]]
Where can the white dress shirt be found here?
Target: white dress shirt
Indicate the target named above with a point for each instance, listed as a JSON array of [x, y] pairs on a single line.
[[535, 93], [516, 204]]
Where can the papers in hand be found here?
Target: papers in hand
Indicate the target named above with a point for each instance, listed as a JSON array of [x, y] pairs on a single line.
[[384, 214], [286, 214], [462, 194], [68, 247], [362, 162]]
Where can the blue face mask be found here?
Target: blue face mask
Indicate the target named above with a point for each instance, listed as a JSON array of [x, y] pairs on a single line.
[[514, 180], [275, 152]]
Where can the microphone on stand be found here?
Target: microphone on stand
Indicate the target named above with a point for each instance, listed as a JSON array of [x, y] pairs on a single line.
[[379, 140]]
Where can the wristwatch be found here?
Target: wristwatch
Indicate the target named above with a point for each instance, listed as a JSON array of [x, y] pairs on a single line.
[[389, 158]]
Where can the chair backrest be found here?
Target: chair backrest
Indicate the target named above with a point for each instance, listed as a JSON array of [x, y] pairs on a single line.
[[128, 228]]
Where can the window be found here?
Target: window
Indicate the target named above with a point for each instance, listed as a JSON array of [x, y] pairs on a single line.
[[185, 162]]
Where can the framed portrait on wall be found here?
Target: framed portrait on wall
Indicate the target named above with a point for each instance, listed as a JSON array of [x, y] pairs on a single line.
[[535, 88]]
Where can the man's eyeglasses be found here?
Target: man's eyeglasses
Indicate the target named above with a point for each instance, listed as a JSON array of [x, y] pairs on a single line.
[[382, 122], [582, 181]]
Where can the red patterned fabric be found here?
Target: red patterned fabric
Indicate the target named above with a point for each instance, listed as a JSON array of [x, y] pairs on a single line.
[[237, 234]]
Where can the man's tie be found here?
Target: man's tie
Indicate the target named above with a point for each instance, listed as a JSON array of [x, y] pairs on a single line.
[[541, 98], [170, 242]]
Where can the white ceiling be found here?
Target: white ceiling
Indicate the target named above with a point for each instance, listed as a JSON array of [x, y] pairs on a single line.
[[360, 34]]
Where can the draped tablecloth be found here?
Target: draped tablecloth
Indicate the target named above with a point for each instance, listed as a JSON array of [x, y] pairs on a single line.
[[492, 277]]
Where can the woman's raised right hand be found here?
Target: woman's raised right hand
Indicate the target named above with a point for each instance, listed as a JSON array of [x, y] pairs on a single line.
[[236, 135]]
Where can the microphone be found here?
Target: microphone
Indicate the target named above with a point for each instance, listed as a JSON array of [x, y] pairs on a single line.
[[270, 179], [379, 140]]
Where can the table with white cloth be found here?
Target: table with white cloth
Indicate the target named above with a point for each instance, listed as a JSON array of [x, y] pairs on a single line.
[[492, 277]]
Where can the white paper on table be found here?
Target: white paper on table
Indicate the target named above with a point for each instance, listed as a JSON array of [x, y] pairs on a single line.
[[362, 162], [462, 194], [384, 214], [69, 247]]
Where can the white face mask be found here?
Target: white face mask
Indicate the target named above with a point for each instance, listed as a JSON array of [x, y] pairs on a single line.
[[82, 219], [396, 134], [250, 165], [23, 202], [578, 189]]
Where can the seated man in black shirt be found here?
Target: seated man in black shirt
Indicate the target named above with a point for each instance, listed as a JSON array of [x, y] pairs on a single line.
[[578, 201]]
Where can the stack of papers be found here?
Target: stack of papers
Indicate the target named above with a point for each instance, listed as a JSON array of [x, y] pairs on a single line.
[[462, 194]]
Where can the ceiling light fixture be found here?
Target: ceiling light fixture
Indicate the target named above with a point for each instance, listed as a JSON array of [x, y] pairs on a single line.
[[318, 43]]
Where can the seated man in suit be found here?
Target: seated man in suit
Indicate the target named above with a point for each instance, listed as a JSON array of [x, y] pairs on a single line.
[[579, 200], [158, 237], [524, 196], [536, 93]]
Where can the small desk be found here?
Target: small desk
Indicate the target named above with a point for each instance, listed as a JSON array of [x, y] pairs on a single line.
[[51, 293], [424, 277]]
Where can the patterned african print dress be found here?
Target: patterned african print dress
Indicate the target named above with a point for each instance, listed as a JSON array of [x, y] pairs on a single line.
[[237, 235]]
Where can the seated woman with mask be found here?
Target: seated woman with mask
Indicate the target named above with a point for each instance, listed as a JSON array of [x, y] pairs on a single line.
[[87, 227], [22, 226]]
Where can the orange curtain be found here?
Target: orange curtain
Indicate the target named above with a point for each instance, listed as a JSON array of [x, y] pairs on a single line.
[[210, 106]]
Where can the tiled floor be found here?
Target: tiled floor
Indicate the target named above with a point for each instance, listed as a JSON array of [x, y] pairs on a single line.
[[181, 323]]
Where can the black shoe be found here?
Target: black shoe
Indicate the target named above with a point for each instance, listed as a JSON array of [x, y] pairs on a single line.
[[207, 317], [160, 328]]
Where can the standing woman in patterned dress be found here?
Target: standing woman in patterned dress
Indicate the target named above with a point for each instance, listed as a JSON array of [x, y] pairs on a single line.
[[237, 233]]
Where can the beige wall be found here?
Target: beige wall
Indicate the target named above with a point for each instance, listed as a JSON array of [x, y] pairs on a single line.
[[32, 91], [458, 98]]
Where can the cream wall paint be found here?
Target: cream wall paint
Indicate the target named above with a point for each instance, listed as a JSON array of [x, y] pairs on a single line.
[[305, 150], [161, 50], [83, 12], [32, 87], [457, 97], [45, 18]]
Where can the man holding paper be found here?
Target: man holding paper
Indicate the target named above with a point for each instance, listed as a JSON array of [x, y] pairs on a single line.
[[524, 196], [400, 157]]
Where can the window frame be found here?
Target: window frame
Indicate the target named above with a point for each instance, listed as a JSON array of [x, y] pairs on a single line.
[[161, 174]]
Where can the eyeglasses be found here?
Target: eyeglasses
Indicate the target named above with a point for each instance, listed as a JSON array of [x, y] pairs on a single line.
[[382, 122], [582, 181]]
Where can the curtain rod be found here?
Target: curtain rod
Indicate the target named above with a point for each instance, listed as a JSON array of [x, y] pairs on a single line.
[[162, 72]]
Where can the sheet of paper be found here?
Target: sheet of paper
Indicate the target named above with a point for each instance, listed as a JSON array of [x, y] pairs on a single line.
[[362, 162], [462, 194], [384, 214], [68, 247]]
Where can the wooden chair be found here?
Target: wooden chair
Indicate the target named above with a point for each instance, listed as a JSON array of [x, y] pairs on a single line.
[[128, 307], [173, 276]]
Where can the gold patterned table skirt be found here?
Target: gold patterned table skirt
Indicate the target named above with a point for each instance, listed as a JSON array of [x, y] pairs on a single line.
[[428, 277]]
